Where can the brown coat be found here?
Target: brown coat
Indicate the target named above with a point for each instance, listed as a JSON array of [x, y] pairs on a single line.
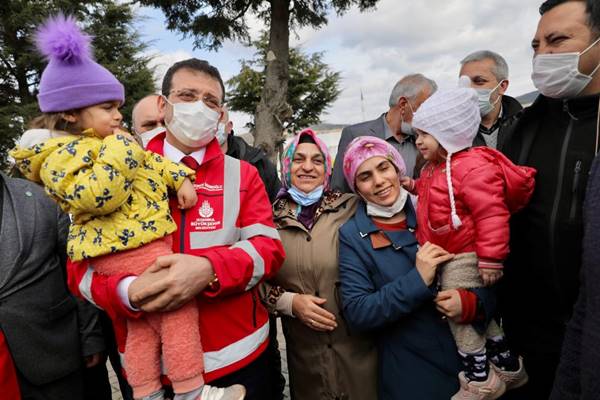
[[334, 365]]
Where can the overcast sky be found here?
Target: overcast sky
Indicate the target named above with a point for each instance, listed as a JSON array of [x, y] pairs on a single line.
[[373, 50]]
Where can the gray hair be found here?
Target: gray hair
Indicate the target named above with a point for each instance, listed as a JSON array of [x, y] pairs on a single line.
[[410, 86], [500, 69]]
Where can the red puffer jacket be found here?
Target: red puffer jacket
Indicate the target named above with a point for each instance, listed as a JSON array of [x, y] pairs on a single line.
[[488, 187]]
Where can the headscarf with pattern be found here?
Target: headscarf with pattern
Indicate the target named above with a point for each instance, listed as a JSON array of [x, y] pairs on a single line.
[[365, 147], [288, 157]]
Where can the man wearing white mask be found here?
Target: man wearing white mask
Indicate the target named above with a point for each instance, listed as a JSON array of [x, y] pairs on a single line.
[[145, 118], [558, 136], [488, 72], [393, 126], [224, 246]]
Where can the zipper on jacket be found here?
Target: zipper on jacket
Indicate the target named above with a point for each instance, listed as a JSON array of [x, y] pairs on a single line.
[[575, 190], [182, 233], [253, 307], [556, 204]]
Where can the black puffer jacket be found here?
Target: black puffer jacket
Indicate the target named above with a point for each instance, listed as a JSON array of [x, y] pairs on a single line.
[[511, 111], [238, 148], [558, 138]]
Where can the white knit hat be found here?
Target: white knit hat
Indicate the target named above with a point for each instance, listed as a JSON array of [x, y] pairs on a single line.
[[452, 117]]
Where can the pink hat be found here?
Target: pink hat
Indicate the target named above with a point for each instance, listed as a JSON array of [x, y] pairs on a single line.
[[365, 147]]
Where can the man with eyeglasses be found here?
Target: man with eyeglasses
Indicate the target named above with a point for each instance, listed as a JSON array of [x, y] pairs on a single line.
[[487, 72], [393, 126], [224, 246]]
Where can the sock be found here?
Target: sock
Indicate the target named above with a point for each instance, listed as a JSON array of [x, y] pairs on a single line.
[[476, 366], [500, 354], [160, 395], [193, 395]]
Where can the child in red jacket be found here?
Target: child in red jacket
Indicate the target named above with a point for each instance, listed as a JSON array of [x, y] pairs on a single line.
[[465, 198]]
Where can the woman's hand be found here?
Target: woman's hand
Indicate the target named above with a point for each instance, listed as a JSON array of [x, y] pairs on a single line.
[[93, 360], [308, 309], [490, 276], [429, 257], [448, 303]]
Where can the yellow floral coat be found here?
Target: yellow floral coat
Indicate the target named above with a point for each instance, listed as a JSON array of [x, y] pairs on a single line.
[[116, 193]]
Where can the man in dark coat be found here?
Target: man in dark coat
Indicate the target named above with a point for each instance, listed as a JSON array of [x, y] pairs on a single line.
[[393, 126], [49, 334], [557, 135], [488, 73]]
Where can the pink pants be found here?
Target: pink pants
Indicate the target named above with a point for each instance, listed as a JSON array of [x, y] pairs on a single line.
[[175, 334]]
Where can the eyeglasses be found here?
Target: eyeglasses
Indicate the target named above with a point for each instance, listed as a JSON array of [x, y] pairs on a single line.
[[191, 95]]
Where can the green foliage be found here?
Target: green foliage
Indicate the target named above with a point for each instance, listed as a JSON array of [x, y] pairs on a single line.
[[117, 47], [312, 86], [211, 22]]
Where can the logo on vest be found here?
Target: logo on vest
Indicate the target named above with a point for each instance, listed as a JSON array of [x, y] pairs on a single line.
[[206, 211]]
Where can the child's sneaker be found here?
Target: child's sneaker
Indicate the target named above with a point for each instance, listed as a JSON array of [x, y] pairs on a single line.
[[490, 389], [233, 392], [512, 379]]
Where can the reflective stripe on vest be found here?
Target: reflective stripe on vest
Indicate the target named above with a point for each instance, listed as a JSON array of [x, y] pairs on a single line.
[[85, 286], [258, 263], [228, 234], [228, 355]]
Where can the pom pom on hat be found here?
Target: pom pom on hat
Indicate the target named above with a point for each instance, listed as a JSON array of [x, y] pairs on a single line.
[[72, 79], [60, 38]]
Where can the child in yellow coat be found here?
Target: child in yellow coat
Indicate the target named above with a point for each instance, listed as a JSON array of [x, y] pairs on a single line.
[[118, 197]]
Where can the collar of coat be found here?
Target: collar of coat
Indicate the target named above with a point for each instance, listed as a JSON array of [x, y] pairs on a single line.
[[284, 209], [398, 239]]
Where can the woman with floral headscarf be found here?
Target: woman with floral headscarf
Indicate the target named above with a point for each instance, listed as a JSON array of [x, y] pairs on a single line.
[[324, 360], [388, 283]]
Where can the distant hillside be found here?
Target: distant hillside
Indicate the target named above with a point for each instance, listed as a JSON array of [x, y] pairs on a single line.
[[527, 98]]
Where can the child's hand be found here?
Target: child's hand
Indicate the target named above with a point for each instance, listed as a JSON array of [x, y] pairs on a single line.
[[186, 195], [490, 276], [406, 182]]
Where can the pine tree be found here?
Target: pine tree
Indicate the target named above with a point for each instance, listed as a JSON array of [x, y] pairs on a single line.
[[312, 86]]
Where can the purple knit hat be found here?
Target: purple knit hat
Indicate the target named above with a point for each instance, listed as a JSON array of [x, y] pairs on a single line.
[[72, 79], [365, 147]]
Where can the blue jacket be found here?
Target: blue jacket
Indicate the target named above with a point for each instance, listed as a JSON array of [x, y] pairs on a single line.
[[382, 292]]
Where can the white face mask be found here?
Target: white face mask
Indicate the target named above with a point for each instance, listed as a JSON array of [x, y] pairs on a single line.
[[406, 127], [148, 135], [485, 104], [193, 124], [221, 134], [375, 210], [557, 75]]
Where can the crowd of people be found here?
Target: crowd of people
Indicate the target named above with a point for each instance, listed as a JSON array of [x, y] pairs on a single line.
[[449, 252]]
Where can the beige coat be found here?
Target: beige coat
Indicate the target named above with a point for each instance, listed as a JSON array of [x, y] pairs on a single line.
[[335, 365]]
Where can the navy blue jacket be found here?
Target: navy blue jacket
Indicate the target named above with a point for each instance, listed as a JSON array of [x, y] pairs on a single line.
[[382, 292]]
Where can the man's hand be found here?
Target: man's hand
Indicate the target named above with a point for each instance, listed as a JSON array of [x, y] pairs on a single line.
[[186, 277], [448, 303], [186, 195], [93, 360]]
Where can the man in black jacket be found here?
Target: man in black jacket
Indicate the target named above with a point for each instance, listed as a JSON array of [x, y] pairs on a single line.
[[236, 147], [488, 73], [557, 135]]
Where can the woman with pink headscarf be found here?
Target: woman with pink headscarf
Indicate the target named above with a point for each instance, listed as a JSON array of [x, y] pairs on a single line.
[[388, 282], [324, 360]]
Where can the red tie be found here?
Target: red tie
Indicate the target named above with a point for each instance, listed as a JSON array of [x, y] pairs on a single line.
[[190, 162]]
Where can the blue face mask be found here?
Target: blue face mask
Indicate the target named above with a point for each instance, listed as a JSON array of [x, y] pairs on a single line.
[[305, 199]]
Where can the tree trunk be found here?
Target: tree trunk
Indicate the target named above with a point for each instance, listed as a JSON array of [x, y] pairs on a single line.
[[273, 110]]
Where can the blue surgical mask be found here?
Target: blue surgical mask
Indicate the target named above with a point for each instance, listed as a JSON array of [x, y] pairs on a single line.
[[306, 199], [221, 134], [485, 104]]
